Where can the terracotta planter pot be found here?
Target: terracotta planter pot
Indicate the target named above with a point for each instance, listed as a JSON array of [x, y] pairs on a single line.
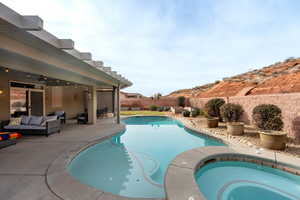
[[273, 139], [235, 128], [212, 122]]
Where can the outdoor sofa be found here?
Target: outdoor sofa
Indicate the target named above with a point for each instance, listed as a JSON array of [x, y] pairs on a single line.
[[34, 125]]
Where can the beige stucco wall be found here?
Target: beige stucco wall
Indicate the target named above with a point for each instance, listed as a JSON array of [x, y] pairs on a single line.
[[73, 101]]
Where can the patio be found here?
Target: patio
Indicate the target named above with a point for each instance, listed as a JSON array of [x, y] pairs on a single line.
[[23, 167]]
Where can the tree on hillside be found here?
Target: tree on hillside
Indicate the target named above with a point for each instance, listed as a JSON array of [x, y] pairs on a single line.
[[157, 96]]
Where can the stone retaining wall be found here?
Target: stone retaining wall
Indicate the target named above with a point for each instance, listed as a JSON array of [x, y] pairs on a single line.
[[288, 103]]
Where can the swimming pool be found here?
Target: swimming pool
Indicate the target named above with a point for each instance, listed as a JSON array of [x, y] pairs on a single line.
[[134, 163], [246, 181]]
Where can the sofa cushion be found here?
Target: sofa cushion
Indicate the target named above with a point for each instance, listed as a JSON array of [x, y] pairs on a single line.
[[24, 127], [35, 121], [15, 121], [25, 120]]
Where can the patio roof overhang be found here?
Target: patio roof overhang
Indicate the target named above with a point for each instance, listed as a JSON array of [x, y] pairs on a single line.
[[26, 46]]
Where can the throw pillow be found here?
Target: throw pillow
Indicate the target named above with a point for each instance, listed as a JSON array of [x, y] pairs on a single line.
[[36, 121], [15, 121], [25, 120]]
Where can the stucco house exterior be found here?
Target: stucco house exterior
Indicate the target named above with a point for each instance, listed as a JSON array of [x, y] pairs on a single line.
[[40, 73]]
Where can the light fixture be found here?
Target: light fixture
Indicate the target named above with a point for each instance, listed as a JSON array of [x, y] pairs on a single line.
[[6, 70], [1, 91]]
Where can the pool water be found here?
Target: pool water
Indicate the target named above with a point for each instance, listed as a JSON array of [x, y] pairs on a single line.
[[228, 180], [134, 163]]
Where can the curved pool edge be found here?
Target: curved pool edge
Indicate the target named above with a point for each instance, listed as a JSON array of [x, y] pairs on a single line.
[[180, 180], [66, 187]]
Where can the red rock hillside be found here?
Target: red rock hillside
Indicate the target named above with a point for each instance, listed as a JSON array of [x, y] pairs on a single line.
[[281, 77]]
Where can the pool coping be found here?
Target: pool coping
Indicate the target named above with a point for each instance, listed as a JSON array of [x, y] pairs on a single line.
[[66, 187], [180, 180]]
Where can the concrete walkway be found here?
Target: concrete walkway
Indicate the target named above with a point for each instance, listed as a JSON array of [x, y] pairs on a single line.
[[23, 166]]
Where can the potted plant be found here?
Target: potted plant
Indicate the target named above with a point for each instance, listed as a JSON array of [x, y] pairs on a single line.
[[186, 113], [267, 117], [195, 112], [211, 122], [212, 107], [232, 113]]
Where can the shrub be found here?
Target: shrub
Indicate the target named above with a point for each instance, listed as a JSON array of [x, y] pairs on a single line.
[[267, 117], [181, 101], [212, 107], [231, 112], [167, 108], [161, 109], [153, 107], [195, 112], [186, 113]]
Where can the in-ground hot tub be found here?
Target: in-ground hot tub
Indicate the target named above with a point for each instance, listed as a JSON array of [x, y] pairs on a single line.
[[235, 180], [134, 163]]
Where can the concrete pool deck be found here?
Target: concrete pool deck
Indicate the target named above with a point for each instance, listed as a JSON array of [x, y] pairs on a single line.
[[24, 166]]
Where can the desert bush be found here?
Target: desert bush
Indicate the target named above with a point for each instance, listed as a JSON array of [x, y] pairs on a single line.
[[167, 108], [153, 107], [212, 107], [267, 117], [231, 112], [186, 113], [181, 101], [195, 112], [161, 109]]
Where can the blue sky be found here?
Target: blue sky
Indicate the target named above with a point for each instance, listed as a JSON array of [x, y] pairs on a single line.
[[165, 45]]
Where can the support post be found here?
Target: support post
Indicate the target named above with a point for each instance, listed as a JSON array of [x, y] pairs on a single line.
[[114, 100], [92, 105], [118, 104]]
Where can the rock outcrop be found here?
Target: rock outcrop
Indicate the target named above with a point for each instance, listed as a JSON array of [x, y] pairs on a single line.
[[281, 77]]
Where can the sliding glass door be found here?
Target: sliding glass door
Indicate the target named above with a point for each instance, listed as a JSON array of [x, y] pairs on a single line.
[[36, 106], [18, 102], [26, 101]]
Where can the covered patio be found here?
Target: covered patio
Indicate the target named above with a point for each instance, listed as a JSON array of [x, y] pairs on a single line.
[[41, 74]]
